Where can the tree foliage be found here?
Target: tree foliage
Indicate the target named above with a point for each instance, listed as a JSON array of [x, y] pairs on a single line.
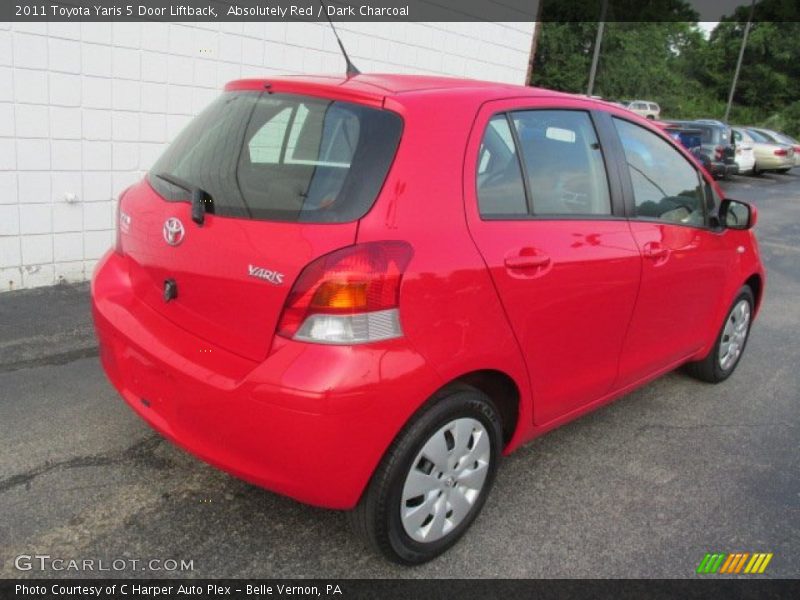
[[671, 62]]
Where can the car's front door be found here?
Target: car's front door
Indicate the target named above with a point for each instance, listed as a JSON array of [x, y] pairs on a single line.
[[549, 222], [684, 259]]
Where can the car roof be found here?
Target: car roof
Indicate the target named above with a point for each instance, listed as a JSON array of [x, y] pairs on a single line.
[[708, 124]]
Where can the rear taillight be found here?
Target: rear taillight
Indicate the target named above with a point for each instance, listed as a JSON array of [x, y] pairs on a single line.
[[719, 152], [349, 296], [781, 152]]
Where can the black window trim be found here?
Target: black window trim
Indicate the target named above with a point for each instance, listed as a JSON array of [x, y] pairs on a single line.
[[615, 188], [627, 183], [523, 168]]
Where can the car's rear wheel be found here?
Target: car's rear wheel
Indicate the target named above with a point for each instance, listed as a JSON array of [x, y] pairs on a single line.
[[782, 170], [434, 479], [731, 341]]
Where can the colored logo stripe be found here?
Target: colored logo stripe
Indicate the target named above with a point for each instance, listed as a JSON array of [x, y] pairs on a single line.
[[734, 563], [710, 563], [758, 563]]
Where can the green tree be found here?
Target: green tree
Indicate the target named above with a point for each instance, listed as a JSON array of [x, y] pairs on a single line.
[[666, 58]]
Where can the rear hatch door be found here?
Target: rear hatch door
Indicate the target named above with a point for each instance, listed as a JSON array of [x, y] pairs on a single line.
[[285, 179]]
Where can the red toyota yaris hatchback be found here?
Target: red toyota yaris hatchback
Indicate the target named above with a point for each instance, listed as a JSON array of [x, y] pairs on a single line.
[[360, 292]]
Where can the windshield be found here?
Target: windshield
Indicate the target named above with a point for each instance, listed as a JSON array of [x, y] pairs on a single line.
[[283, 157]]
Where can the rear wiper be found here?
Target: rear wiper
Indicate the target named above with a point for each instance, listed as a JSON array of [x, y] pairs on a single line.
[[198, 195]]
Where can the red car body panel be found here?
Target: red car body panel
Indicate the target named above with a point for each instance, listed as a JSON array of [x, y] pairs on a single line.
[[312, 421]]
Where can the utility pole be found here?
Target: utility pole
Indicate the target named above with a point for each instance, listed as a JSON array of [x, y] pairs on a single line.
[[597, 42], [739, 62]]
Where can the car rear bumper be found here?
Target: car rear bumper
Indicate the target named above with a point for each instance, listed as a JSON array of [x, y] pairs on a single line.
[[723, 169], [746, 165], [772, 163], [310, 421]]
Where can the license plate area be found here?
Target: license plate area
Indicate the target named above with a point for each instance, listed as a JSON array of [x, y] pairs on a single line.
[[152, 385]]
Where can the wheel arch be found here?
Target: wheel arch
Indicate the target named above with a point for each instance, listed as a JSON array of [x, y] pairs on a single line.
[[756, 283], [500, 388]]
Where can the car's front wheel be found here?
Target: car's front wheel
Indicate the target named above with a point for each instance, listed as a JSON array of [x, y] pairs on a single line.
[[434, 479], [731, 341]]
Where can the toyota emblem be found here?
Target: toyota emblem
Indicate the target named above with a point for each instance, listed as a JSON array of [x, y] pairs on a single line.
[[173, 231]]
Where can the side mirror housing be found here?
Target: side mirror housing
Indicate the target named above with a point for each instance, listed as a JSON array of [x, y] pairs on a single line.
[[735, 214]]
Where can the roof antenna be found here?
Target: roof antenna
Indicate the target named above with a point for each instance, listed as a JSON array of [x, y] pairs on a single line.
[[351, 68]]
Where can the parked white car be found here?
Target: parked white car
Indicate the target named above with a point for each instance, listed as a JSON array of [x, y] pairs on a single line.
[[745, 153], [644, 108]]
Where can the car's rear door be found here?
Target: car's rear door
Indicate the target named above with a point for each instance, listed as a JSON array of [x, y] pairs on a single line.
[[546, 214], [685, 259]]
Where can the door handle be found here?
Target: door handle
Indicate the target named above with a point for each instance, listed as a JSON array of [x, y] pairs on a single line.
[[654, 250], [527, 261]]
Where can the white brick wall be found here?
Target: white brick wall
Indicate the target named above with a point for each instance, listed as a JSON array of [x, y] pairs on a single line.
[[85, 109]]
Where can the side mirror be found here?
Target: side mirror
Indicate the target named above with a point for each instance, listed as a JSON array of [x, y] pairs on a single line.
[[738, 215]]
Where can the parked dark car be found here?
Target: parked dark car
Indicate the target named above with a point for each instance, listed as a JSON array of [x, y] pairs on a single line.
[[690, 138], [717, 151]]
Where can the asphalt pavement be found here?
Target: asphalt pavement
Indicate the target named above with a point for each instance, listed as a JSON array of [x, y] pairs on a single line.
[[641, 488]]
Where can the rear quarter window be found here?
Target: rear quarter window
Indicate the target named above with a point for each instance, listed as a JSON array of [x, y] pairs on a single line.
[[283, 157]]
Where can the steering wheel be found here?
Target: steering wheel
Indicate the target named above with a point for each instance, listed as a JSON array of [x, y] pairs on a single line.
[[678, 203]]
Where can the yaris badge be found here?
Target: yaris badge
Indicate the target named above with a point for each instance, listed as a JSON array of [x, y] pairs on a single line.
[[266, 274], [173, 231]]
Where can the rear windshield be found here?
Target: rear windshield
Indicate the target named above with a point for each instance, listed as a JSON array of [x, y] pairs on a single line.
[[715, 134], [689, 138], [758, 136], [768, 136], [283, 157]]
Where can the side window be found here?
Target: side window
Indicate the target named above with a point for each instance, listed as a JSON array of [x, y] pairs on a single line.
[[265, 146], [315, 137], [500, 188], [563, 162], [665, 185]]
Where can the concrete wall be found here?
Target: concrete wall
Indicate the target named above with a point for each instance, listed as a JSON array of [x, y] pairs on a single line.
[[86, 108]]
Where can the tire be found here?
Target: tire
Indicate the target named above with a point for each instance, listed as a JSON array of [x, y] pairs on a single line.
[[719, 364], [471, 418], [782, 170]]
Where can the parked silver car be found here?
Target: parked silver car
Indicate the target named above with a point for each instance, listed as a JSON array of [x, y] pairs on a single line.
[[770, 155], [782, 138]]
